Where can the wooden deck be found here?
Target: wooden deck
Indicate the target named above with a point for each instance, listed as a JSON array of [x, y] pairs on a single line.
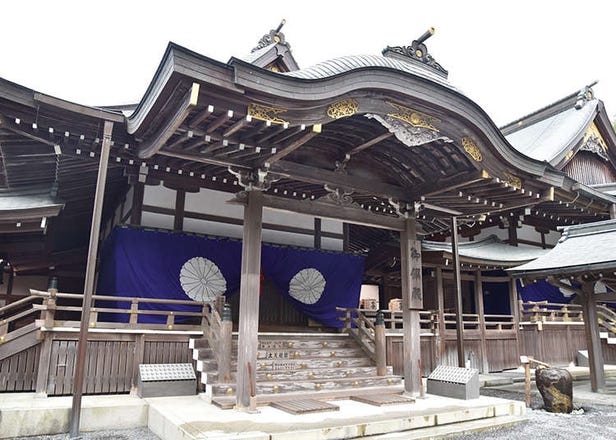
[[305, 406], [383, 399]]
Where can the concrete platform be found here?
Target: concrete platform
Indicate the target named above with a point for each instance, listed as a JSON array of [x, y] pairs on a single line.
[[184, 418], [24, 414], [192, 417]]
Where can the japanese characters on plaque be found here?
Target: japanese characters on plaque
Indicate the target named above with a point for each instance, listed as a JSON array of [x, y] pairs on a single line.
[[415, 283]]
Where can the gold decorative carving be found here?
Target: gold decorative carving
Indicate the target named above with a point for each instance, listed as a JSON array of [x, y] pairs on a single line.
[[471, 148], [266, 113], [343, 108], [594, 131], [512, 180], [414, 117]]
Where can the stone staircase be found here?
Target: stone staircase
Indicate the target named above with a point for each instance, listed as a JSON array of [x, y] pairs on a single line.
[[306, 364]]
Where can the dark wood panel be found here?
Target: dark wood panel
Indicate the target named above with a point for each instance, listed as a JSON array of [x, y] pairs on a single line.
[[18, 372]]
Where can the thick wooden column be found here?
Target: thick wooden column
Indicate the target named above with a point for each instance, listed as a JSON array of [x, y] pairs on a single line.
[[88, 289], [249, 298], [412, 303], [482, 321], [137, 205], [317, 233], [180, 202], [514, 309], [441, 329], [593, 341], [458, 289]]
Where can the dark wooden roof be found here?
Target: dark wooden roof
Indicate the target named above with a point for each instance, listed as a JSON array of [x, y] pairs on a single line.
[[363, 139]]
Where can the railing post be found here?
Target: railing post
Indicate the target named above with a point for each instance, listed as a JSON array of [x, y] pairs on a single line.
[[48, 315], [170, 320], [134, 312], [380, 343], [225, 345]]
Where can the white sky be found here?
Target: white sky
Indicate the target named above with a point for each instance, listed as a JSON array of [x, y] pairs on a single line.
[[509, 57]]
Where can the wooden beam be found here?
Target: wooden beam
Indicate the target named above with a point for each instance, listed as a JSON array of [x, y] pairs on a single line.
[[137, 205], [152, 146], [89, 282], [458, 291], [202, 116], [593, 341], [202, 159], [292, 146], [605, 297], [370, 143], [412, 303], [249, 300], [320, 209], [219, 121], [318, 176], [237, 126]]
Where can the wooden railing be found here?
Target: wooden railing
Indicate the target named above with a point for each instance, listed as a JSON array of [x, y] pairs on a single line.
[[15, 314], [218, 329], [393, 319], [64, 310], [361, 328], [550, 312]]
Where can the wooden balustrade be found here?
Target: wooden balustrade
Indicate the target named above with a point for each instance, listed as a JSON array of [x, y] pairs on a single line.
[[543, 311]]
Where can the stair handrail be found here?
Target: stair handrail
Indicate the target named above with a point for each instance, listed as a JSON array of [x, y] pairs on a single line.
[[607, 318], [360, 328], [13, 312], [218, 332]]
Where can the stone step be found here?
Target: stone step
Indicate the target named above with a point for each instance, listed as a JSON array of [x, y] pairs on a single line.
[[318, 374], [273, 387], [268, 365], [310, 353]]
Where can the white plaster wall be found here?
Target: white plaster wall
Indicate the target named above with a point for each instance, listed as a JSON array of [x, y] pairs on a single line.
[[153, 220], [159, 196]]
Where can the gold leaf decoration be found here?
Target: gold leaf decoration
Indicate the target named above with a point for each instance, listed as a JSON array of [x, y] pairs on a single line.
[[414, 117], [569, 155], [593, 131], [471, 148], [343, 108], [266, 113], [512, 180]]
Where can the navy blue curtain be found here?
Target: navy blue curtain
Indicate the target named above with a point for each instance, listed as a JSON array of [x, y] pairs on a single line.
[[146, 263], [542, 291], [315, 282]]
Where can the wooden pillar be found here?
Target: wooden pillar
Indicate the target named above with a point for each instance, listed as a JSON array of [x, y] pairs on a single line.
[[514, 309], [89, 282], [458, 289], [137, 206], [441, 329], [346, 237], [9, 286], [249, 298], [485, 366], [513, 232], [613, 212], [178, 218], [412, 303], [593, 341], [317, 233]]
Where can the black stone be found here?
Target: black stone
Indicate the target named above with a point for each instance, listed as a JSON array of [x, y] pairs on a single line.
[[556, 388]]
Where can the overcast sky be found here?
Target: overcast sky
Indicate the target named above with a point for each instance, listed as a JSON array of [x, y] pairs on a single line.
[[509, 57]]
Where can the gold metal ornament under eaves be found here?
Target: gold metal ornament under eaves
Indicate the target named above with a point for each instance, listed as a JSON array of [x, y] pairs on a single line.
[[343, 108], [512, 180], [414, 117], [472, 149], [266, 113]]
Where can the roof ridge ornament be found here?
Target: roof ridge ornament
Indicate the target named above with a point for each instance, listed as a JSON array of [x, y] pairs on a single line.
[[417, 52], [274, 36]]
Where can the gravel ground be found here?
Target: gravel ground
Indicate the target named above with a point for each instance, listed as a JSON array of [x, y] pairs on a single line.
[[588, 422]]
